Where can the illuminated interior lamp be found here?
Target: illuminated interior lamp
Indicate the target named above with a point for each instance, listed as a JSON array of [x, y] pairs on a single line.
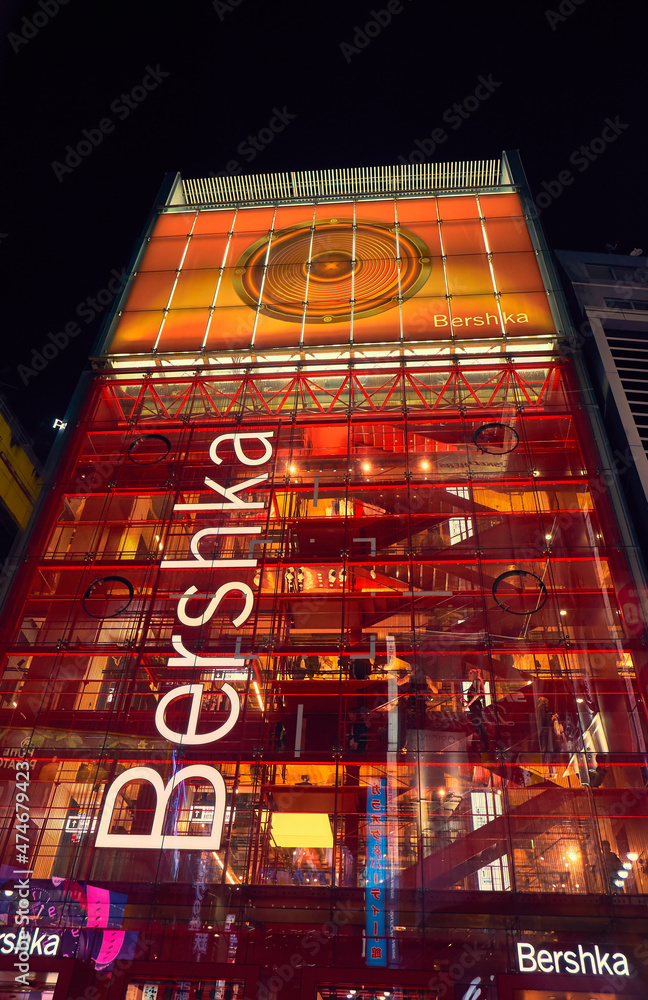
[[366, 467], [579, 701], [619, 883], [631, 856], [302, 830], [627, 866], [563, 613], [425, 464], [292, 468], [622, 873]]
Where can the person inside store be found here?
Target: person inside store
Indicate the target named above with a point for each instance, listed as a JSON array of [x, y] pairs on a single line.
[[612, 863], [474, 703], [358, 733], [545, 725]]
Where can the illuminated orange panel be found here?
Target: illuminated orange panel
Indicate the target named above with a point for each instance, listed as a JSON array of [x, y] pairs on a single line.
[[151, 290], [255, 220], [195, 288], [416, 210], [517, 272], [507, 234], [206, 251], [428, 232], [164, 254], [469, 274], [475, 316], [462, 207], [227, 294], [174, 224], [334, 210], [136, 332], [274, 332], [377, 211], [242, 242], [293, 215], [462, 237], [426, 318], [327, 333], [231, 328], [380, 329], [500, 205], [184, 327], [276, 256], [534, 305], [218, 221]]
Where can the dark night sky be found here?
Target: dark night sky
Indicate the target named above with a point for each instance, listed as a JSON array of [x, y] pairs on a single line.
[[555, 79]]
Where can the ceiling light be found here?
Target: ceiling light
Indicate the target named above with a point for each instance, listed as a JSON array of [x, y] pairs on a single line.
[[621, 873], [627, 866], [631, 856]]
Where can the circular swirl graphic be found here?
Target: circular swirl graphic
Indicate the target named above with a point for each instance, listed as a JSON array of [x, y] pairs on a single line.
[[496, 438], [332, 262], [108, 597], [519, 592], [148, 449]]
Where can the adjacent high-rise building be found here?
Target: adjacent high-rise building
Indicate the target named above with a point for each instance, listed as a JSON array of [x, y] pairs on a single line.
[[324, 672], [20, 481], [611, 298]]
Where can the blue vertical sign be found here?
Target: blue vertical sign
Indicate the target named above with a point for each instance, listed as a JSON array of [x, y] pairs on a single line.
[[376, 873]]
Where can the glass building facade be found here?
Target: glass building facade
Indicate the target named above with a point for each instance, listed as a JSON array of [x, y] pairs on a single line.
[[323, 674]]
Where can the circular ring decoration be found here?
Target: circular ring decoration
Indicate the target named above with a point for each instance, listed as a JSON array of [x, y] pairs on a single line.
[[490, 432], [537, 596], [156, 457], [319, 260], [106, 598]]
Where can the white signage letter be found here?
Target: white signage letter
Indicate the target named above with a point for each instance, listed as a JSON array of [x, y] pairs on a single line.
[[192, 620], [156, 839], [526, 954], [211, 563], [187, 659], [261, 436], [230, 494], [191, 737]]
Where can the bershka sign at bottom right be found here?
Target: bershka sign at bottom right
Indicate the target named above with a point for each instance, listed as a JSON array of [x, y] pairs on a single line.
[[577, 963]]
